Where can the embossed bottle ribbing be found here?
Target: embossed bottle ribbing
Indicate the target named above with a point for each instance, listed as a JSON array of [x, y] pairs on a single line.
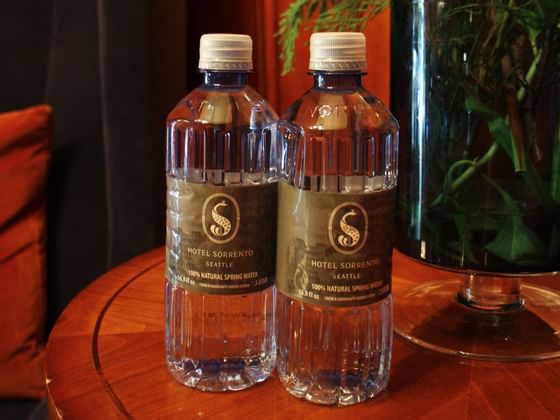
[[221, 220], [338, 175]]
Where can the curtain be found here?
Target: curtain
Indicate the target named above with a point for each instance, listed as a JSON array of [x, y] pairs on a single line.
[[99, 64]]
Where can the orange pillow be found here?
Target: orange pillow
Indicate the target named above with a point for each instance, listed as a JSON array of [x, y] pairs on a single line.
[[25, 144]]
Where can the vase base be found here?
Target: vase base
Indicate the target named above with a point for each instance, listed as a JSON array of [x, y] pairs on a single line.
[[432, 317]]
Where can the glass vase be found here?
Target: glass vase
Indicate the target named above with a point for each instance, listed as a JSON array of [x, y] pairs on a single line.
[[475, 87]]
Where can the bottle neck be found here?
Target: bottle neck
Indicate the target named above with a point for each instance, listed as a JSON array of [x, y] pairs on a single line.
[[213, 78], [337, 80]]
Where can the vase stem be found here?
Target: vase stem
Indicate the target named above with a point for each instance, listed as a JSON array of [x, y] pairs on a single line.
[[490, 293]]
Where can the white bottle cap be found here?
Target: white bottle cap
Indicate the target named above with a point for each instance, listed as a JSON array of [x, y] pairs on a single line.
[[337, 51], [226, 52]]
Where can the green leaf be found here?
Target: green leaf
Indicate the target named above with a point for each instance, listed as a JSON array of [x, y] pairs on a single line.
[[502, 133], [516, 243], [532, 20], [312, 7], [472, 104], [539, 188], [288, 31], [499, 128]]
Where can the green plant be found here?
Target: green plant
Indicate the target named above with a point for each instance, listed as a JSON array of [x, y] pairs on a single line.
[[512, 61], [330, 15], [495, 65]]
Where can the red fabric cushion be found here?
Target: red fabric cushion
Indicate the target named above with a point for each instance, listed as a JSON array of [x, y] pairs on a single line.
[[24, 157]]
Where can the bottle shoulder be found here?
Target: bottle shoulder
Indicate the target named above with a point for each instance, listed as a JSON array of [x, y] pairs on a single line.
[[240, 105], [321, 108]]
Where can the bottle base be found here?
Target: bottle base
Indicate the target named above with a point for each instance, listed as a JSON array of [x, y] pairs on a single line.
[[334, 356], [232, 374], [330, 388]]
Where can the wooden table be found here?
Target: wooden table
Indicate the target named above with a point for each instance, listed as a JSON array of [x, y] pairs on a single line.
[[105, 359]]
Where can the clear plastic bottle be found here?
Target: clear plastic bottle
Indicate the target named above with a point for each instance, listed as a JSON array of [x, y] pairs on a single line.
[[338, 173], [221, 219]]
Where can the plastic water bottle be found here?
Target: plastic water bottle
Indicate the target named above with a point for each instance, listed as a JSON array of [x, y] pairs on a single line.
[[221, 225], [338, 146]]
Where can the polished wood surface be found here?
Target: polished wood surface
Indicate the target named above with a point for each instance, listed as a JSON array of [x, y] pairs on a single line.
[[105, 359]]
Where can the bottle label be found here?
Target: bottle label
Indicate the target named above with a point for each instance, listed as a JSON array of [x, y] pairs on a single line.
[[221, 239], [334, 249]]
